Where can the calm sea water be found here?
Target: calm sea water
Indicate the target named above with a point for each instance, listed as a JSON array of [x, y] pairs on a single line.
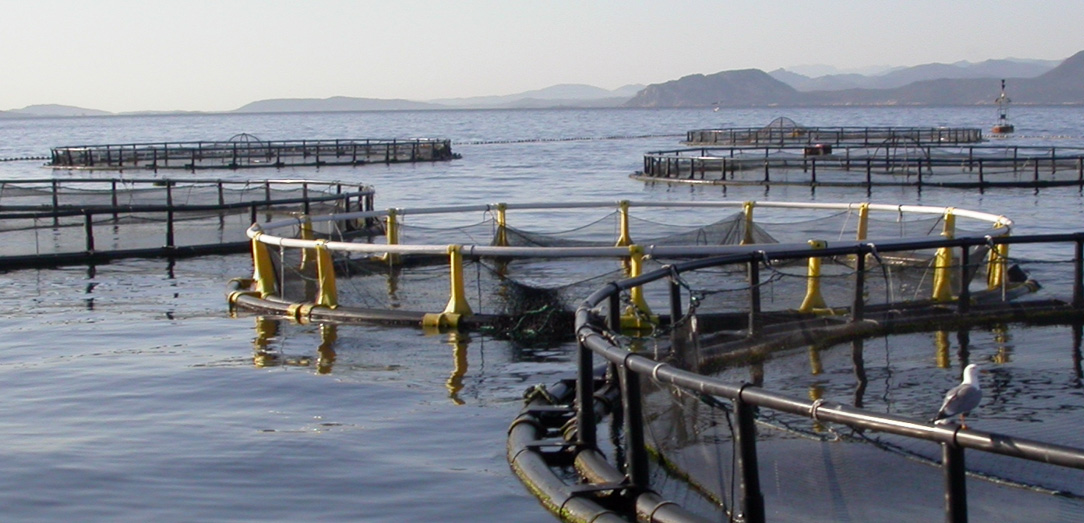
[[131, 394]]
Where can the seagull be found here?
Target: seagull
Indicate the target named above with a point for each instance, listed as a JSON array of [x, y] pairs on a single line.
[[962, 398]]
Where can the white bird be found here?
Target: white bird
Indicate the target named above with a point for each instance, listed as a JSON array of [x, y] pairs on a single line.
[[962, 398]]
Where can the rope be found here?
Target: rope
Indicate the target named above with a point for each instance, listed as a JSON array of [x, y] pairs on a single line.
[[570, 139]]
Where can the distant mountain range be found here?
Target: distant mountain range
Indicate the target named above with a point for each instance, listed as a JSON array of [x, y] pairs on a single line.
[[1063, 84], [1031, 82]]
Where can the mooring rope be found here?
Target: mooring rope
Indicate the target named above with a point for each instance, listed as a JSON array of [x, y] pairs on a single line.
[[570, 139]]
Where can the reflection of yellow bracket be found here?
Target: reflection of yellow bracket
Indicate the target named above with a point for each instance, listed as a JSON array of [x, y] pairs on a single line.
[[813, 297], [459, 342]]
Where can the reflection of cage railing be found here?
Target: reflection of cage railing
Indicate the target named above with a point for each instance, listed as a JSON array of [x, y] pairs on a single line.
[[305, 278], [599, 331], [59, 221]]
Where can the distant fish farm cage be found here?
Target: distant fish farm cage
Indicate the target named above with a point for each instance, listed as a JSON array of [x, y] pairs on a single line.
[[245, 151], [50, 222], [784, 131], [895, 162]]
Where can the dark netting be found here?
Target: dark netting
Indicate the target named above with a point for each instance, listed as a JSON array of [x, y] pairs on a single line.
[[57, 217], [814, 470]]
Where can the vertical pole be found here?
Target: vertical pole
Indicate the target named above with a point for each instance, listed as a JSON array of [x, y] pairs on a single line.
[[858, 308], [952, 463], [613, 319], [754, 297], [88, 225], [635, 453], [305, 196], [963, 299], [752, 501], [56, 203], [169, 214], [113, 191], [675, 309], [586, 431], [1078, 275], [221, 203]]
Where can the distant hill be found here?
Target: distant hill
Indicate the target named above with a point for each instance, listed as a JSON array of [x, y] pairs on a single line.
[[333, 104], [1063, 84], [55, 110], [1007, 68], [566, 95], [728, 88]]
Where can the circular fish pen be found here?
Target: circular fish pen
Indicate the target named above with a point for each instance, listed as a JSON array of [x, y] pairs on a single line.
[[442, 268], [697, 420], [898, 161], [53, 221], [783, 132], [245, 151]]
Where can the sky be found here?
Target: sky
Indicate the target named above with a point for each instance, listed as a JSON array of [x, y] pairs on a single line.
[[197, 55]]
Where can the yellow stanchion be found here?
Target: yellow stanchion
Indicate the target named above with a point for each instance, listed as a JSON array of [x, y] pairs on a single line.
[[863, 222], [305, 233], [637, 315], [747, 233], [996, 264], [624, 239], [457, 303], [813, 298], [263, 270], [942, 261], [501, 240], [863, 228], [326, 294], [391, 233]]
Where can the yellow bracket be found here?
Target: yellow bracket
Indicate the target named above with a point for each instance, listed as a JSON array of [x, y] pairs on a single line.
[[502, 227], [457, 303], [391, 232], [305, 233], [747, 234], [637, 315], [624, 239], [263, 271], [814, 300], [942, 261], [996, 264], [863, 222], [327, 295]]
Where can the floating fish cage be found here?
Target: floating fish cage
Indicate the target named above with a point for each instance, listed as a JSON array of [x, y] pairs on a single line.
[[245, 151], [785, 132], [427, 270], [900, 162], [48, 222], [690, 418]]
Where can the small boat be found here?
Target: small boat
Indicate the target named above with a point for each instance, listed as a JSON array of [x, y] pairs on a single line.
[[1002, 126]]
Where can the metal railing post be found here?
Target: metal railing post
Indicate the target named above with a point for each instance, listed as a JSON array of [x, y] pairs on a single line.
[[586, 431], [752, 501], [952, 463], [635, 453]]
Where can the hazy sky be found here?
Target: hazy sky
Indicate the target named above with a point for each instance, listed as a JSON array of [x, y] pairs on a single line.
[[121, 55]]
